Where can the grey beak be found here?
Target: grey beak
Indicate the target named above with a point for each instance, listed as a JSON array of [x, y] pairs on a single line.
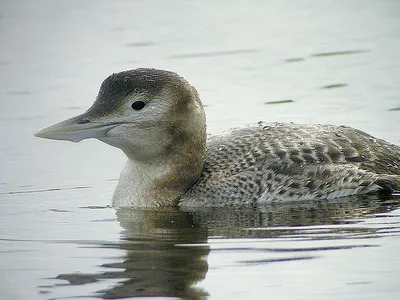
[[76, 129]]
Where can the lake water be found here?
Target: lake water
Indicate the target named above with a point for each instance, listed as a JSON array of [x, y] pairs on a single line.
[[338, 61]]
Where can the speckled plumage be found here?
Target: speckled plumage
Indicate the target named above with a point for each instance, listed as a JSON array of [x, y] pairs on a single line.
[[273, 162], [169, 164]]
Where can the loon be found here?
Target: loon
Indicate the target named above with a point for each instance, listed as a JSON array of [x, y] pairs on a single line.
[[157, 119]]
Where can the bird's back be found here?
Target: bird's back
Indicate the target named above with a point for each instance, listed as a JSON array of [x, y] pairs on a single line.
[[272, 162]]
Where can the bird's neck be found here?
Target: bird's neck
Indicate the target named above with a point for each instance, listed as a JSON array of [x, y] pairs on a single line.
[[154, 185], [163, 181]]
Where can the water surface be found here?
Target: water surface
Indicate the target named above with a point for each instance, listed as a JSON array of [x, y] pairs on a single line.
[[317, 61]]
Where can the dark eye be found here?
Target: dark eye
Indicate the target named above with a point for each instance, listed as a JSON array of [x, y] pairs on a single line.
[[138, 105]]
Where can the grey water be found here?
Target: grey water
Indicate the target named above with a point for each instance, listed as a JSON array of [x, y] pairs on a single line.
[[300, 61]]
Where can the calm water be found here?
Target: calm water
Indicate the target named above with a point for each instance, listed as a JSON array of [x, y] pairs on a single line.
[[338, 61]]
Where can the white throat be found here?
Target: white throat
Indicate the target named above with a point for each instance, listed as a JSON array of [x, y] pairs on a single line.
[[138, 183]]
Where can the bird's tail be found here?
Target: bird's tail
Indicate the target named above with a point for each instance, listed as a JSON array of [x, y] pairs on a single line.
[[389, 184]]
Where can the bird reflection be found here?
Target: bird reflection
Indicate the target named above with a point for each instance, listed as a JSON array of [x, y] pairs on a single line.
[[166, 255], [165, 251], [239, 222]]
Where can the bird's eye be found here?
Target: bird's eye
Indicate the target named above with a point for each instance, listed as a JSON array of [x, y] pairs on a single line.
[[138, 105]]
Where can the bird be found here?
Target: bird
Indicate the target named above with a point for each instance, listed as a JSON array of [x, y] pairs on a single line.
[[157, 119]]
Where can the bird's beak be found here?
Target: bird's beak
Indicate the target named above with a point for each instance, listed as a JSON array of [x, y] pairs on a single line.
[[76, 129]]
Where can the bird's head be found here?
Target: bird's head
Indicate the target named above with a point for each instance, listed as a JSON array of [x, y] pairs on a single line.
[[147, 113]]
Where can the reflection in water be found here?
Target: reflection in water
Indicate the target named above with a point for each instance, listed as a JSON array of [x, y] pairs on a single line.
[[239, 222], [165, 252], [164, 256]]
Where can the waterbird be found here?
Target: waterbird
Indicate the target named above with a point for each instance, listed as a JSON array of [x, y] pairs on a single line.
[[157, 119]]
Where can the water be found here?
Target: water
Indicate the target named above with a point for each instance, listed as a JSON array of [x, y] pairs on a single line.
[[336, 61]]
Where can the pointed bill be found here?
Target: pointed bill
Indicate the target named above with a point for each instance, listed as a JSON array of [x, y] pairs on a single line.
[[75, 130]]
